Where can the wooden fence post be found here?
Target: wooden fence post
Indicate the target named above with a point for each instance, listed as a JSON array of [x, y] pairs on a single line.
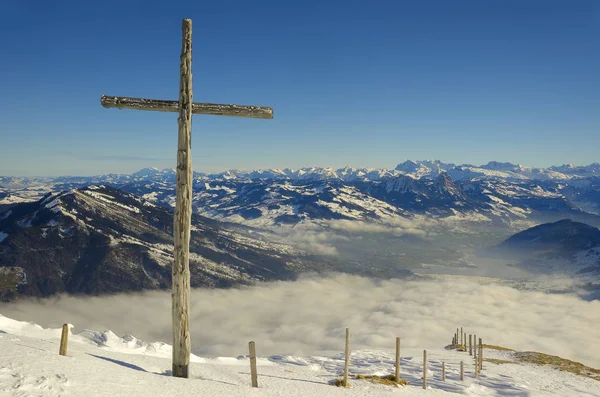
[[480, 354], [476, 361], [347, 353], [470, 345], [462, 370], [461, 335], [424, 369], [397, 375], [253, 372], [443, 371], [64, 339]]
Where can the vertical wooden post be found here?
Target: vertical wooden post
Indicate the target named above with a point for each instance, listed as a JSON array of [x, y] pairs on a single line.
[[475, 360], [253, 372], [347, 354], [443, 371], [470, 345], [64, 339], [480, 354], [183, 213], [461, 335], [397, 374], [465, 344], [424, 369], [462, 370]]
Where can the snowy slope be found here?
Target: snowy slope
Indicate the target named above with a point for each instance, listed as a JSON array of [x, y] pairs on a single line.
[[102, 364], [496, 192], [101, 240]]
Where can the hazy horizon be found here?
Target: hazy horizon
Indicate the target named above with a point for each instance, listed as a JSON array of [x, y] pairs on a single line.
[[132, 170]]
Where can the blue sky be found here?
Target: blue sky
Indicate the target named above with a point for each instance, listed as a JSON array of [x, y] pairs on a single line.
[[352, 83]]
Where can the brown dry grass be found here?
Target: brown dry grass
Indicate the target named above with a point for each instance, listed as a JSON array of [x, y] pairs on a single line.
[[498, 361], [460, 348], [339, 382], [559, 363], [494, 347], [389, 380]]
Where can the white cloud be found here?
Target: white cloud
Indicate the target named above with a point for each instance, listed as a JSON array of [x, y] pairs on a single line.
[[308, 317], [349, 226], [311, 239]]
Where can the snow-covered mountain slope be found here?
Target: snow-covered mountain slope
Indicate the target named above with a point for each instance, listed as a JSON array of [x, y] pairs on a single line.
[[280, 202], [497, 192], [100, 239], [103, 364]]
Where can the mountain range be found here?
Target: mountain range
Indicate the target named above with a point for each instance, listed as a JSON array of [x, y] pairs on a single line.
[[88, 238], [102, 240], [496, 192]]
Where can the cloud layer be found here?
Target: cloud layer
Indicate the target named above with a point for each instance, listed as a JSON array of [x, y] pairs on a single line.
[[308, 317]]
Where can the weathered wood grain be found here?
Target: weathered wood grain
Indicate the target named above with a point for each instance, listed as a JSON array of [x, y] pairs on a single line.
[[397, 373], [160, 105], [182, 218], [480, 354], [347, 357], [470, 345], [64, 340], [253, 371], [424, 369], [183, 213], [443, 371]]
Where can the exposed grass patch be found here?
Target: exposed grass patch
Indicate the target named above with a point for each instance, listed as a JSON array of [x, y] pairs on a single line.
[[460, 348], [498, 361], [494, 347], [338, 382], [559, 363], [389, 380]]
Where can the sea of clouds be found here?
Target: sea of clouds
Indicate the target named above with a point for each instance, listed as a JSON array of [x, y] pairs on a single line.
[[308, 317]]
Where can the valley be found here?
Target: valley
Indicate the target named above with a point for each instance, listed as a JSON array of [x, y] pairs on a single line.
[[112, 233]]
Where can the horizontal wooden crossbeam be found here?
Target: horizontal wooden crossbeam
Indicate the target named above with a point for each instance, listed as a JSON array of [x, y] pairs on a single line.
[[257, 112]]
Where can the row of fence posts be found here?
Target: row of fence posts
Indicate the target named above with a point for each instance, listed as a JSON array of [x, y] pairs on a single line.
[[463, 340], [476, 352]]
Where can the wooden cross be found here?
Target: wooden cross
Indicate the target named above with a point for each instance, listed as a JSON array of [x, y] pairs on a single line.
[[183, 206]]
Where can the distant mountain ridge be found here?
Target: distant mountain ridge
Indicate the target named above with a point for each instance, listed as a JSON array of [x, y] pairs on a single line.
[[496, 191], [415, 169], [562, 247], [565, 235]]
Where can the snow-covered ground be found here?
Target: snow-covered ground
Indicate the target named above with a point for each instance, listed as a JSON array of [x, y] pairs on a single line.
[[102, 364]]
